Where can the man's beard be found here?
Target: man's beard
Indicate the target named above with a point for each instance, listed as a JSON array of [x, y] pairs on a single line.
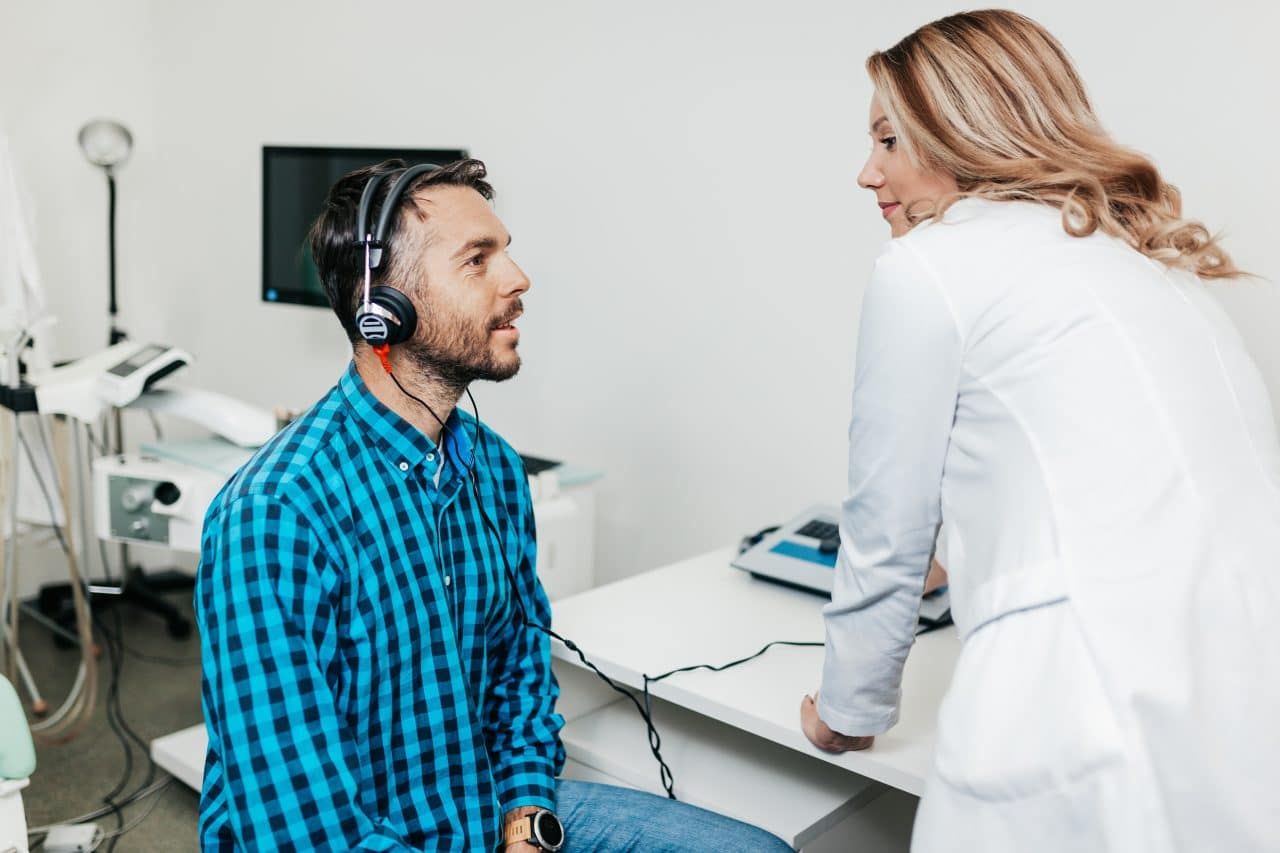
[[458, 352]]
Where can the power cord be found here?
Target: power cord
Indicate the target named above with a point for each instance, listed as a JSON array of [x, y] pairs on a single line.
[[114, 809], [106, 810], [155, 424], [159, 789], [113, 697], [73, 715], [124, 733], [44, 490], [116, 718], [115, 712]]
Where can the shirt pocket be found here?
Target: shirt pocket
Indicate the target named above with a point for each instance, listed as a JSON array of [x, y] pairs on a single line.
[[1027, 711]]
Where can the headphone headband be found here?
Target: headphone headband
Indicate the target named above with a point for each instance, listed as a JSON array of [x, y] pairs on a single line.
[[373, 241], [362, 214], [393, 201]]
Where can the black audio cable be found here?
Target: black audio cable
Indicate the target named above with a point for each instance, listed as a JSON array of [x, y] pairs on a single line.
[[644, 708]]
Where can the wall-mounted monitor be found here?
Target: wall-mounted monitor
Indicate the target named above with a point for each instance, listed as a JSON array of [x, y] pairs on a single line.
[[295, 181]]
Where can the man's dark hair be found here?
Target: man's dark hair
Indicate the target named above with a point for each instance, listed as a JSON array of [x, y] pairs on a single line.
[[335, 244]]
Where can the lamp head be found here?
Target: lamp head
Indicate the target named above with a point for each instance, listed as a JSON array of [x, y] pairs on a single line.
[[106, 143]]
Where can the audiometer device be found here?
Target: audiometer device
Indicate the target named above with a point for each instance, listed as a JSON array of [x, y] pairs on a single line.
[[800, 553]]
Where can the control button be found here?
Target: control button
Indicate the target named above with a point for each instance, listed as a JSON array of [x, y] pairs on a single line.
[[168, 493], [139, 528], [135, 498]]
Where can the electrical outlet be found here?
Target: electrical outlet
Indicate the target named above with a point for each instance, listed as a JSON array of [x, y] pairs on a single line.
[[73, 838]]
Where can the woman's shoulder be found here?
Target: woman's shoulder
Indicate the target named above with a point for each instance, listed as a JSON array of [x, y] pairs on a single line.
[[970, 217], [981, 231]]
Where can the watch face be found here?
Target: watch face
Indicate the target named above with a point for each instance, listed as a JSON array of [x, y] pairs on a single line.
[[547, 830]]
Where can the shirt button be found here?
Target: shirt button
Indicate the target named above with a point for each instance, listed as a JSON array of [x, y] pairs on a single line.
[[404, 466], [447, 580], [431, 457]]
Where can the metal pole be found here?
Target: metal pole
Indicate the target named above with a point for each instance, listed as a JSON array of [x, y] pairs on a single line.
[[10, 578], [115, 335]]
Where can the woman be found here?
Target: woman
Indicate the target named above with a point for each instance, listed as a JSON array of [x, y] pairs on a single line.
[[1041, 365]]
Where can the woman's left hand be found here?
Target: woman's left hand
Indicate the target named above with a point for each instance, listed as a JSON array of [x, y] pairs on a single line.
[[821, 735]]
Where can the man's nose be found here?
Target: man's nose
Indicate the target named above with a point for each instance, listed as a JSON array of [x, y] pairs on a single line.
[[517, 282]]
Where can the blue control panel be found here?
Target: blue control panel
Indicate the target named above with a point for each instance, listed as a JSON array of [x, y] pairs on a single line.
[[787, 548]]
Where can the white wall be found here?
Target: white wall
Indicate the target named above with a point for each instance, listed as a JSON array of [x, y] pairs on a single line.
[[62, 64], [679, 178]]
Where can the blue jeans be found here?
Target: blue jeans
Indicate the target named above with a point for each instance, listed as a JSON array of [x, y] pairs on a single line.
[[606, 819]]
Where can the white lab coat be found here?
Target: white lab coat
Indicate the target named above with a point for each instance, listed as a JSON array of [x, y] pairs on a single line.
[[22, 303], [1105, 456]]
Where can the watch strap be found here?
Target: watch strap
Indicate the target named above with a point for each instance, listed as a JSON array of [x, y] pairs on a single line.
[[520, 829]]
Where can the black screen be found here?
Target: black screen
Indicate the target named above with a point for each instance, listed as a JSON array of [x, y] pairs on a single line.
[[138, 359], [295, 182]]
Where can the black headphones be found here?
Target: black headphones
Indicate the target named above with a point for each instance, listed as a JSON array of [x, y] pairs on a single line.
[[387, 316]]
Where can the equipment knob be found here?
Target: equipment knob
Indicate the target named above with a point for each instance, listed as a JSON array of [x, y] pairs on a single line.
[[168, 493], [135, 498]]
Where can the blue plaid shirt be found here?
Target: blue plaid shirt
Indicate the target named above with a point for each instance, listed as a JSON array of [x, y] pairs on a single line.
[[368, 684]]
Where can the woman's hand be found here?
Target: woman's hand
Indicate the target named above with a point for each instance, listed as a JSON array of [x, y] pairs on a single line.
[[821, 735], [937, 577]]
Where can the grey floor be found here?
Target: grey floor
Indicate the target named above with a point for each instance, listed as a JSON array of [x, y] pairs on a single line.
[[156, 697]]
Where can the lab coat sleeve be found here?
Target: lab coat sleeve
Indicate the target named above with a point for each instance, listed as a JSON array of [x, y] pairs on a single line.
[[22, 302], [904, 400]]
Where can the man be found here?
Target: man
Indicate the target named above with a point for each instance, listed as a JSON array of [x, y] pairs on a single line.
[[370, 681]]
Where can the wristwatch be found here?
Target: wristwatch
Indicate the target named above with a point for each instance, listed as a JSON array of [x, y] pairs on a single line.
[[542, 829]]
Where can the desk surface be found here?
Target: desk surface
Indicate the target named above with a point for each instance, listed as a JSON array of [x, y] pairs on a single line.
[[702, 610]]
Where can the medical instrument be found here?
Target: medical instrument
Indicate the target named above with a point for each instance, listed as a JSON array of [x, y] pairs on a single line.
[[800, 553], [123, 382]]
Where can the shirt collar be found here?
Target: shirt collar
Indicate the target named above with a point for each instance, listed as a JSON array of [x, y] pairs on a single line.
[[404, 445]]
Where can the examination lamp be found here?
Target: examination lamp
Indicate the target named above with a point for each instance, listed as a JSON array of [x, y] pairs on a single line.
[[107, 144]]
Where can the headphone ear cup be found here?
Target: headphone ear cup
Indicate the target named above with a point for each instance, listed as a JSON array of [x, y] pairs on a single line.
[[401, 316]]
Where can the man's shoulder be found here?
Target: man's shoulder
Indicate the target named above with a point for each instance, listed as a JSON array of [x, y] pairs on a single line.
[[297, 466]]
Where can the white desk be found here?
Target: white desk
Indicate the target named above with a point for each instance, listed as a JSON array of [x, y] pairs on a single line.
[[746, 719]]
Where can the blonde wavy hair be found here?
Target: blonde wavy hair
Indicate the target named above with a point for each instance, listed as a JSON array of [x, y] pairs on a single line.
[[992, 98]]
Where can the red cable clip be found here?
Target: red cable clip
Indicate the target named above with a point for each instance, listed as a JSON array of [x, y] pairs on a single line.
[[384, 352]]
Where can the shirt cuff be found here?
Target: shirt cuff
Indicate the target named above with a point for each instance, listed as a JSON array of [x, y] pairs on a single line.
[[526, 782], [854, 723]]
